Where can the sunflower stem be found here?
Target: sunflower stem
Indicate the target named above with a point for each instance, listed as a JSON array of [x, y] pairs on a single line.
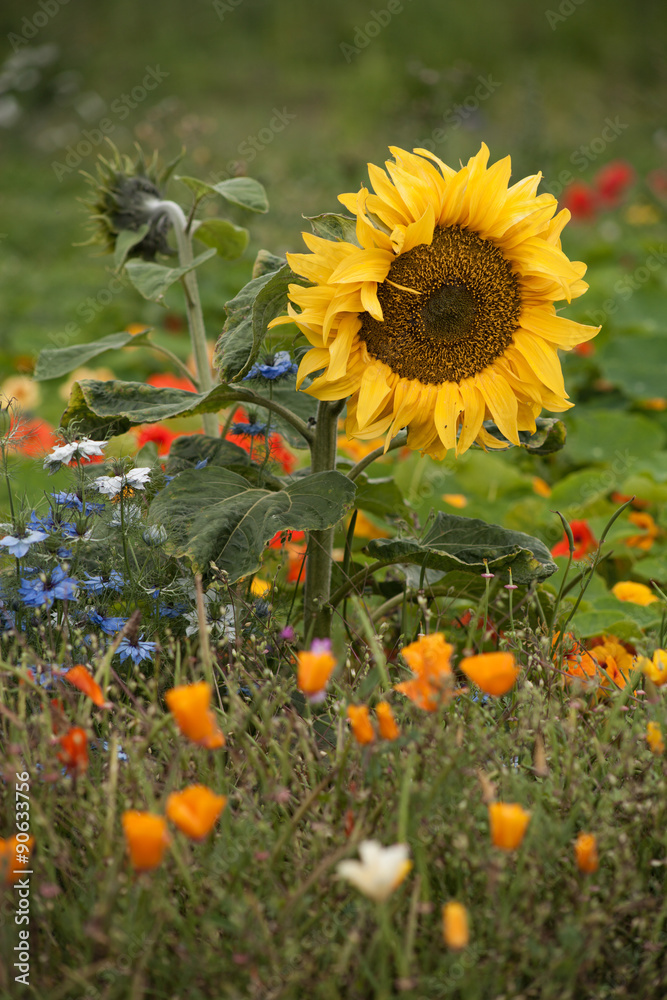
[[317, 611], [193, 308]]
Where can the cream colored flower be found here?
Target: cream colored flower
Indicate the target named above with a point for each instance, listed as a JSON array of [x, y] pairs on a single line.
[[23, 390], [380, 871]]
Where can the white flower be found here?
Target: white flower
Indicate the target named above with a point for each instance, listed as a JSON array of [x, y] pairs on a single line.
[[64, 453], [135, 479], [380, 871], [219, 618]]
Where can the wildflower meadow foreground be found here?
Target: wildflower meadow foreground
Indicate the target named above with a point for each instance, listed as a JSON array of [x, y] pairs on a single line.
[[329, 667]]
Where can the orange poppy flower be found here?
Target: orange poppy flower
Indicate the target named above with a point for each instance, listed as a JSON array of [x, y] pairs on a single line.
[[636, 593], [146, 838], [10, 850], [455, 929], [195, 810], [386, 722], [586, 853], [577, 663], [508, 824], [429, 658], [361, 724], [614, 660], [74, 750], [655, 668], [84, 681], [649, 530], [654, 738], [314, 668], [494, 673], [190, 706]]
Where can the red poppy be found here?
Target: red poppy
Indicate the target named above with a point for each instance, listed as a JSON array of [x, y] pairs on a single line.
[[163, 380], [34, 438], [613, 181], [74, 752], [581, 200], [157, 433], [584, 541]]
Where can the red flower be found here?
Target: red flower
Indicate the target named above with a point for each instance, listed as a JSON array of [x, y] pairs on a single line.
[[158, 433], [584, 541], [277, 450], [34, 438], [581, 200], [585, 349], [164, 380], [613, 181], [657, 181], [74, 753]]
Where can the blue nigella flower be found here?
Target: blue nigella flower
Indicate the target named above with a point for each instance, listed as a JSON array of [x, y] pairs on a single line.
[[202, 464], [96, 584], [37, 523], [38, 592], [120, 752], [275, 367], [137, 650], [249, 430], [72, 500], [108, 625], [19, 545]]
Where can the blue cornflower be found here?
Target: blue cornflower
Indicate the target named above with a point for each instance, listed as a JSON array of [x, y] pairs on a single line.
[[96, 584], [108, 625], [19, 545], [7, 620], [136, 650], [43, 590], [202, 464], [249, 430], [275, 367], [120, 752], [72, 500], [48, 676]]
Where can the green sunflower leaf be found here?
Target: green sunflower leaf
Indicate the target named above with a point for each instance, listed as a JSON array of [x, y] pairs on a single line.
[[334, 227], [549, 436], [227, 239], [214, 515], [153, 280], [469, 544], [187, 451], [53, 362], [126, 239], [243, 191]]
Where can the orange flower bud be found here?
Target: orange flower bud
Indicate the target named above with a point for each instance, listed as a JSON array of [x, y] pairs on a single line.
[[10, 850], [146, 838], [74, 750], [508, 824], [84, 681], [190, 706], [586, 853], [315, 667], [361, 723], [494, 673], [386, 722], [195, 810], [455, 930]]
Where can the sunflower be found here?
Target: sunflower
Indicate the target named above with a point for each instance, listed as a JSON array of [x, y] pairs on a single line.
[[441, 315]]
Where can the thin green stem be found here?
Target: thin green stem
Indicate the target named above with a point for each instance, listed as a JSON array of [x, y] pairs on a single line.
[[184, 370], [367, 460], [248, 396]]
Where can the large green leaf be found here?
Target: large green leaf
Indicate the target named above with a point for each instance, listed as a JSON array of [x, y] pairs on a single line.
[[243, 191], [228, 240], [53, 362], [380, 497], [126, 239], [469, 544], [613, 436], [153, 280], [187, 451], [214, 515]]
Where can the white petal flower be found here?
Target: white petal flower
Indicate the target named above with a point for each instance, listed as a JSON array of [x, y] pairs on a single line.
[[64, 453], [135, 479], [221, 622], [380, 871]]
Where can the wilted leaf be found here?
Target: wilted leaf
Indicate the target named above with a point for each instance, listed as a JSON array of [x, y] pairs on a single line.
[[549, 436], [334, 227], [53, 362]]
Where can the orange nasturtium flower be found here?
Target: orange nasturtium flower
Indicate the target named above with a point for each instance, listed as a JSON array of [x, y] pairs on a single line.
[[654, 738], [586, 853], [146, 838], [455, 930], [508, 824], [190, 706], [195, 810], [315, 667], [74, 750], [494, 673], [636, 593], [613, 659], [84, 681], [10, 850], [361, 723], [649, 530], [386, 722], [429, 659], [656, 667]]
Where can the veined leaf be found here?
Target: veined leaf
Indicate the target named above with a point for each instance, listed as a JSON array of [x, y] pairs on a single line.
[[227, 239], [126, 239], [53, 362], [334, 227], [243, 191], [214, 515], [153, 280]]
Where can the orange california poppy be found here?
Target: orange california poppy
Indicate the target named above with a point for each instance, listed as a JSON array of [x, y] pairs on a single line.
[[314, 669], [455, 929], [84, 681], [10, 851], [190, 706], [74, 750], [429, 659], [494, 673], [508, 824], [586, 853], [386, 722], [654, 738], [146, 838], [195, 810], [361, 724]]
